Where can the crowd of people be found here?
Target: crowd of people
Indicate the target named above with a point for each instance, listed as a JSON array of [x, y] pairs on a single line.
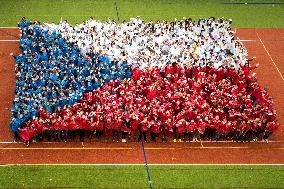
[[51, 72], [148, 44], [191, 104], [182, 80]]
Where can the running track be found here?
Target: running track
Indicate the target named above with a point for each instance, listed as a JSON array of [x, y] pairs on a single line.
[[266, 44]]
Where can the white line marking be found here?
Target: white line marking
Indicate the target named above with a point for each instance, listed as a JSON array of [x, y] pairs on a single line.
[[81, 148], [273, 141], [199, 147], [243, 40], [229, 147], [138, 164], [10, 40], [8, 27], [206, 141], [270, 57], [133, 148]]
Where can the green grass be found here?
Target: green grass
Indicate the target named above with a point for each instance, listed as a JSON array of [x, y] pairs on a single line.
[[170, 176], [76, 11]]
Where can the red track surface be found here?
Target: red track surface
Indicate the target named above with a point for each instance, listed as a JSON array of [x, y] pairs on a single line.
[[158, 153]]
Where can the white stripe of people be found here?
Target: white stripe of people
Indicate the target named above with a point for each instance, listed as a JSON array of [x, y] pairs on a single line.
[[148, 44]]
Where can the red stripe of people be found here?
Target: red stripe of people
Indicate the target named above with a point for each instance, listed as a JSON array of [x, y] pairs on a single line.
[[190, 101]]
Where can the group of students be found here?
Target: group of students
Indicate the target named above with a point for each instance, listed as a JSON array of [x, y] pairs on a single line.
[[190, 104], [149, 44], [51, 72], [86, 81]]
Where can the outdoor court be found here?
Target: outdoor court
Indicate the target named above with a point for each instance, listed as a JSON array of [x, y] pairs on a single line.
[[266, 44]]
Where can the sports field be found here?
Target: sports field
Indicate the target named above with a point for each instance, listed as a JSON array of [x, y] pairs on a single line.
[[133, 176], [243, 15], [264, 163]]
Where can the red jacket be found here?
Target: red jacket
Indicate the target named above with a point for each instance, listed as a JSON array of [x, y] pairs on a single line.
[[134, 124]]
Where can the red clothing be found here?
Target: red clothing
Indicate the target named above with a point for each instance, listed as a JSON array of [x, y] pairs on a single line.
[[56, 125], [118, 125], [83, 123], [134, 125], [169, 70], [144, 127], [64, 125], [136, 73], [156, 129], [27, 133], [191, 127], [152, 94], [180, 127], [72, 125], [100, 125]]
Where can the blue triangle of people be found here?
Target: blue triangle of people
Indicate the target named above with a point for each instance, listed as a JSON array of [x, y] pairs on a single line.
[[52, 72]]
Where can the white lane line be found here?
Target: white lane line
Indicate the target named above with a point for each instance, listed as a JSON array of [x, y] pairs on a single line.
[[199, 147], [10, 40], [244, 40], [273, 141], [270, 57], [133, 148], [64, 148], [139, 164], [3, 27], [205, 141]]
